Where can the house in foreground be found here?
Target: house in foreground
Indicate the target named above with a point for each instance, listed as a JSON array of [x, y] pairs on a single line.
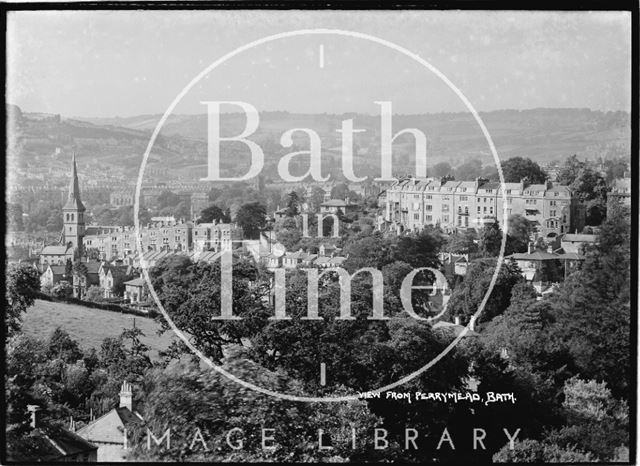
[[50, 444], [109, 431]]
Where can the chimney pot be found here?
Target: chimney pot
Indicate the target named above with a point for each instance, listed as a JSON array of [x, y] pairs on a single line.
[[34, 410], [126, 396]]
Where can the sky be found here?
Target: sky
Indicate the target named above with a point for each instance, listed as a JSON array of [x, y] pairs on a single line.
[[125, 63]]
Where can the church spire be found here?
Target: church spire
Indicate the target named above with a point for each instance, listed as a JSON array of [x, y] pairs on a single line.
[[73, 201]]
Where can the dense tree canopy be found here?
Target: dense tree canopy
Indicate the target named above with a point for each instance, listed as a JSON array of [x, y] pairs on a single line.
[[516, 169], [251, 218], [22, 283]]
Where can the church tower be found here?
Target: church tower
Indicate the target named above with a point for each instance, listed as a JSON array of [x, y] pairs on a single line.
[[73, 212]]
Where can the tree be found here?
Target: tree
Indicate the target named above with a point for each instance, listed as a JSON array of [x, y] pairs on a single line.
[[94, 293], [316, 198], [340, 191], [191, 294], [491, 240], [616, 168], [596, 422], [517, 168], [469, 170], [293, 204], [213, 213], [62, 289], [288, 234], [188, 398], [62, 346], [533, 451], [463, 242], [520, 232], [442, 169], [167, 199], [466, 298], [593, 305], [251, 218], [22, 284], [570, 169]]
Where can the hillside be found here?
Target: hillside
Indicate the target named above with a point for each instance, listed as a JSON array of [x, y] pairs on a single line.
[[542, 134], [90, 326], [112, 148]]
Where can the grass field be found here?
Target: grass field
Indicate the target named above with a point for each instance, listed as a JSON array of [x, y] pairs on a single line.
[[90, 326]]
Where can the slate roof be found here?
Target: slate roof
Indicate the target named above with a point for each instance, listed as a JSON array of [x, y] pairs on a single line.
[[54, 250], [109, 427], [135, 282], [336, 203], [48, 443], [534, 256], [58, 269], [577, 238]]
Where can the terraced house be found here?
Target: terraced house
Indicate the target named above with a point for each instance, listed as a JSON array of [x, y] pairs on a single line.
[[413, 203]]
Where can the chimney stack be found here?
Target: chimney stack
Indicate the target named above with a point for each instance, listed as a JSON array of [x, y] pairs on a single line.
[[34, 410], [126, 396]]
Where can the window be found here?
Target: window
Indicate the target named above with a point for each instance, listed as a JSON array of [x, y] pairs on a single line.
[[445, 207], [429, 196], [463, 198], [552, 213], [508, 191], [416, 216], [478, 209], [484, 209], [428, 207], [429, 218], [491, 210], [445, 218], [552, 203]]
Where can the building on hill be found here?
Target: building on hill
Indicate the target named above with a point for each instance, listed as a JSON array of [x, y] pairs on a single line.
[[620, 191], [332, 206], [413, 203], [109, 430], [135, 291], [52, 275], [574, 242], [73, 231], [215, 236], [124, 198], [56, 255], [73, 212], [82, 281], [112, 278]]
